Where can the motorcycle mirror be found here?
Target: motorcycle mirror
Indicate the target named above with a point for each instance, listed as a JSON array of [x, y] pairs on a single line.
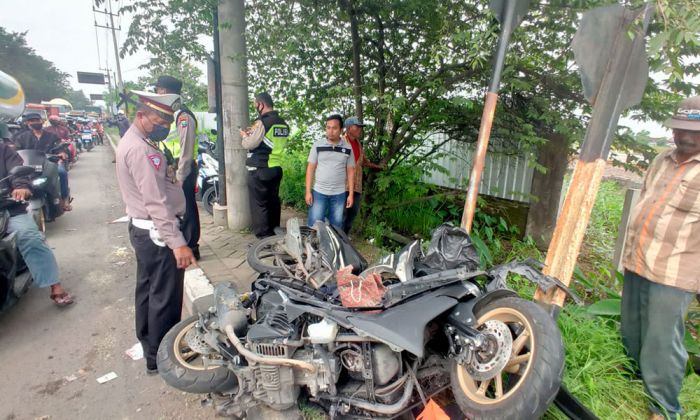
[[22, 171]]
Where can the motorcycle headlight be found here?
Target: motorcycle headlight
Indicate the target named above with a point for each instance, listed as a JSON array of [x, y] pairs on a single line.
[[39, 182]]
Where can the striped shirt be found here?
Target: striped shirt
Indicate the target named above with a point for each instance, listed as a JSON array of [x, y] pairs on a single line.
[[663, 238]]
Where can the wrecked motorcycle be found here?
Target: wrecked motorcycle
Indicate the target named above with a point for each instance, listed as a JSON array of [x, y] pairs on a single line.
[[438, 323]]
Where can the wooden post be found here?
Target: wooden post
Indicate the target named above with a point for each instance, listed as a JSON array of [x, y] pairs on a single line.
[[482, 146], [571, 227]]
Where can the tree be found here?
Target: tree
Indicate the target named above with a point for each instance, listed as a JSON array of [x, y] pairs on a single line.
[[77, 98], [194, 92], [40, 78], [424, 66]]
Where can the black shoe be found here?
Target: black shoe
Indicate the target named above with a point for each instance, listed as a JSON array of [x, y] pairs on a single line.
[[151, 372]]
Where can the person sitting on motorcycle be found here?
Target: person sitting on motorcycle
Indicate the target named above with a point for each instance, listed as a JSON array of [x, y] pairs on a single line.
[[35, 137], [56, 128], [30, 242]]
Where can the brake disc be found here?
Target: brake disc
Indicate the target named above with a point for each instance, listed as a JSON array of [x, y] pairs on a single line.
[[195, 340], [486, 365]]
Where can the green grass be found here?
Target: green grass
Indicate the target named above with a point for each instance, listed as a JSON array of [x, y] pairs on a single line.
[[113, 132]]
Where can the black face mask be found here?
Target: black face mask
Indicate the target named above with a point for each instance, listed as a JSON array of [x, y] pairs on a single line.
[[260, 110], [54, 123], [36, 126]]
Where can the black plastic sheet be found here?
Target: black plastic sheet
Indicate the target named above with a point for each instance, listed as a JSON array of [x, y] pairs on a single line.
[[451, 247]]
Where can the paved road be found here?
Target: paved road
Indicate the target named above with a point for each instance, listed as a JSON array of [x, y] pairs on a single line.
[[43, 347]]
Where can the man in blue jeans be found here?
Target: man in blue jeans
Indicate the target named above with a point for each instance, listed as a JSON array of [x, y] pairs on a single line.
[[36, 253], [331, 170]]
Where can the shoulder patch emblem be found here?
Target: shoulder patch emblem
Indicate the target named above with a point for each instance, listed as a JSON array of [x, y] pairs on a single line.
[[156, 160], [183, 123]]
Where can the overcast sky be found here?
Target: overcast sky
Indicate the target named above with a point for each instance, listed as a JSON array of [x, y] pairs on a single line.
[[63, 32]]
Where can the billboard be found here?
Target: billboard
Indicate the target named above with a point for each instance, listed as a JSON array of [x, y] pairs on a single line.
[[91, 78]]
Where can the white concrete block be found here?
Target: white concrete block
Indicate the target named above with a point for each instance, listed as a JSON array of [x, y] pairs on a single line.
[[196, 285]]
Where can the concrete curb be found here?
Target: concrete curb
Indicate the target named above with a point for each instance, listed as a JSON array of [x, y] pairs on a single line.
[[197, 285], [111, 142]]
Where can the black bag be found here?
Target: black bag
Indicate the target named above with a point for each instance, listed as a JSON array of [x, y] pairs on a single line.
[[451, 247]]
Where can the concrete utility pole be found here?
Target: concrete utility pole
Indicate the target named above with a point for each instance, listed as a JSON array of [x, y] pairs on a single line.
[[118, 83], [234, 98]]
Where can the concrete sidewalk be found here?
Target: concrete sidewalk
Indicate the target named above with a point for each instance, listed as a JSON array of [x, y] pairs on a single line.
[[223, 259]]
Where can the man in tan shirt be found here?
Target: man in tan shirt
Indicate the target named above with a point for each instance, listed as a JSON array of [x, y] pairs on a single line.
[[662, 263], [155, 203]]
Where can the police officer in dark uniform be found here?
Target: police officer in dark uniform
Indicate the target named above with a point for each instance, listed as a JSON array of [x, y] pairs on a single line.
[[154, 203], [183, 146], [265, 140]]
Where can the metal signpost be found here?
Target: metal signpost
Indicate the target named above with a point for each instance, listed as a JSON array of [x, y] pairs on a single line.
[[614, 72], [509, 13]]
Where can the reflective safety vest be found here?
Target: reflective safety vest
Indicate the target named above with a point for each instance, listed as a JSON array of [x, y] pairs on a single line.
[[269, 153], [172, 142]]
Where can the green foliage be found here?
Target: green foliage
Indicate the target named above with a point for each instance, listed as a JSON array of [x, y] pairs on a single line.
[[77, 98], [194, 92], [40, 78], [292, 188], [597, 370]]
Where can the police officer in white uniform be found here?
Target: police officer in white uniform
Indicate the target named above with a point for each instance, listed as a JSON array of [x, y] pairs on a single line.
[[154, 203]]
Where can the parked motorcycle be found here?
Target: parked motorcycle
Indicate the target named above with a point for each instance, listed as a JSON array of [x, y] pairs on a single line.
[[45, 203], [208, 181], [16, 278], [378, 345]]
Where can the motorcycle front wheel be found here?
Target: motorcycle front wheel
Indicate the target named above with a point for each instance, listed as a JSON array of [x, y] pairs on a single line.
[[530, 379], [182, 366]]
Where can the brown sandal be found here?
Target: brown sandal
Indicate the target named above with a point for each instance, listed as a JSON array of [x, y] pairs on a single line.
[[62, 299]]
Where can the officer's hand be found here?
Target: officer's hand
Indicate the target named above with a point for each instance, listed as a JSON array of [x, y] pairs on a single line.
[[184, 257], [309, 198], [21, 194], [243, 133], [350, 201]]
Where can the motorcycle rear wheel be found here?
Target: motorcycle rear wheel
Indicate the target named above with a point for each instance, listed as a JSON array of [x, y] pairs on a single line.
[[530, 380], [182, 367], [262, 256]]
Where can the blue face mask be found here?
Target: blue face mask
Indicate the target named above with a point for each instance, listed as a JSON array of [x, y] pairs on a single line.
[[159, 133]]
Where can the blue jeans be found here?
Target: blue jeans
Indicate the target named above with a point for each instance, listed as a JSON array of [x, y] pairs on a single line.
[[333, 205], [63, 177], [36, 253]]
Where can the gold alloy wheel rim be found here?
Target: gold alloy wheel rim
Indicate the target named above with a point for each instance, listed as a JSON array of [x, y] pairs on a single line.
[[184, 354], [491, 391]]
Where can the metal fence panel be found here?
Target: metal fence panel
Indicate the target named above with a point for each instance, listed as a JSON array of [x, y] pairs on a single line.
[[505, 175]]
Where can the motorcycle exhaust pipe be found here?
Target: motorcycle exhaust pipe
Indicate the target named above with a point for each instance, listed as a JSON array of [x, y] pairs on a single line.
[[250, 356]]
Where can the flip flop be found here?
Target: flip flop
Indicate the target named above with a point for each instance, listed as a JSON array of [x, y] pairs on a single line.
[[62, 299]]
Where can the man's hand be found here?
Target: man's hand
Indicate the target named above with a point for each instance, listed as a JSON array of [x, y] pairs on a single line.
[[243, 133], [21, 194], [184, 257], [350, 201], [309, 198]]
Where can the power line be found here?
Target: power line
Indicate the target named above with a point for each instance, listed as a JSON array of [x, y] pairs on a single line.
[[97, 40]]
